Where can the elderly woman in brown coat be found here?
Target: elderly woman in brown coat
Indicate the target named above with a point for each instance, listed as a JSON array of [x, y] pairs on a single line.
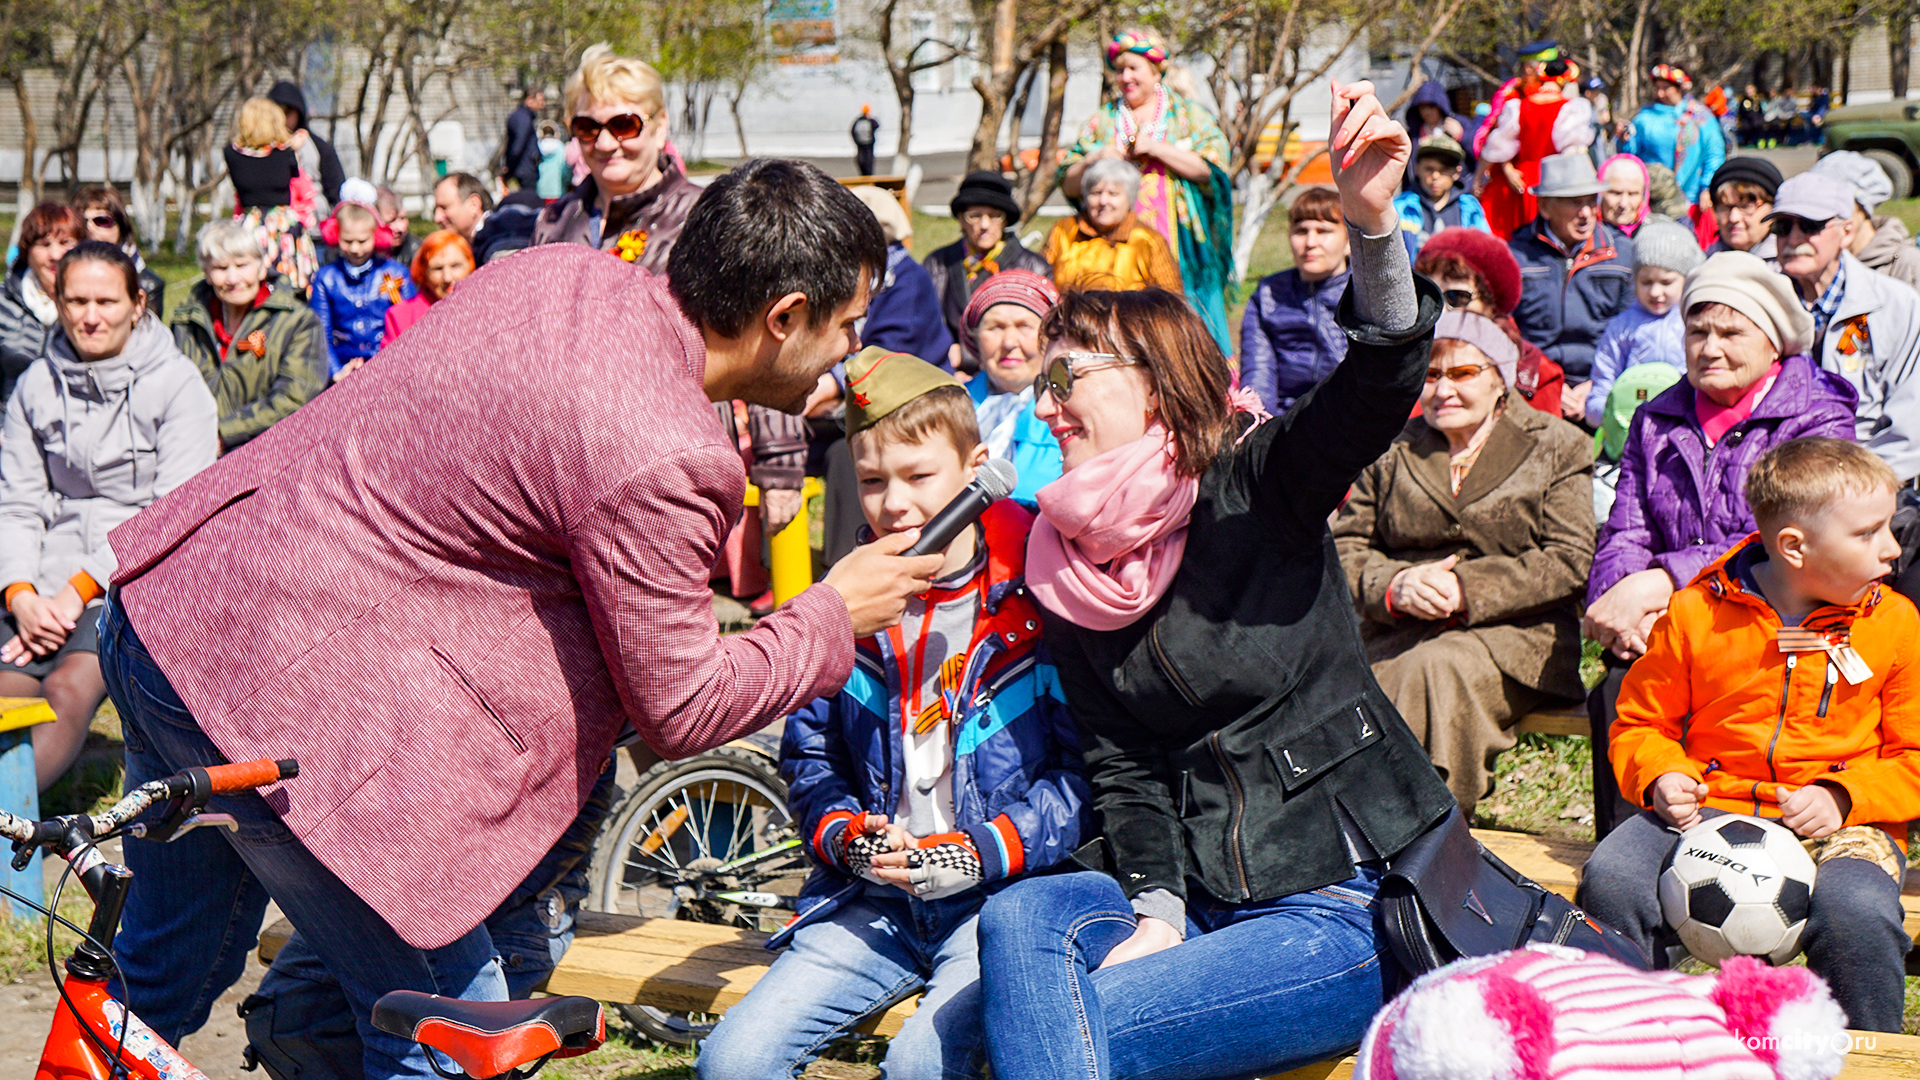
[[1467, 547]]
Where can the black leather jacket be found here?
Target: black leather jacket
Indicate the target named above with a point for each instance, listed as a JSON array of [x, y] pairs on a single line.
[[1222, 730]]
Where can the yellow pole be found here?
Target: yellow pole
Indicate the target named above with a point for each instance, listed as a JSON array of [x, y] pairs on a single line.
[[792, 551]]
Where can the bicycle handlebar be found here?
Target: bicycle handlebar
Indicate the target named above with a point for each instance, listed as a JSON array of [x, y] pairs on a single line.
[[191, 783]]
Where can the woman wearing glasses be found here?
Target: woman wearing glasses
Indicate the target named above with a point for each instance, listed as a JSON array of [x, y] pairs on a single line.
[[635, 197], [106, 221], [1466, 548], [1477, 273], [1250, 774]]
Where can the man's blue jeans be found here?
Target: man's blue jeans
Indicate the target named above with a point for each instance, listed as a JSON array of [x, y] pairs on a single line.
[[878, 949], [196, 905], [1256, 989]]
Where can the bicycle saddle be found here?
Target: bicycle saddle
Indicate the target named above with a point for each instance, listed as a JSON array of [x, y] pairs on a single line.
[[492, 1038]]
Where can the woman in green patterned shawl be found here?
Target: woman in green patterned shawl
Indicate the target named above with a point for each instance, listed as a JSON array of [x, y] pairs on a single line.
[[1182, 156]]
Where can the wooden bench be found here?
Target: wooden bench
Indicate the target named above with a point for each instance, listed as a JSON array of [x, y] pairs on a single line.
[[1557, 721], [701, 967]]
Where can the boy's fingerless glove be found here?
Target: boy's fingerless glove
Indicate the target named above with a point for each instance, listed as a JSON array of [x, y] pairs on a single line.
[[943, 870], [858, 849]]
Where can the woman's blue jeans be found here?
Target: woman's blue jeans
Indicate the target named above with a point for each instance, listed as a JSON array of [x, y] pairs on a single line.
[[1256, 988], [196, 905]]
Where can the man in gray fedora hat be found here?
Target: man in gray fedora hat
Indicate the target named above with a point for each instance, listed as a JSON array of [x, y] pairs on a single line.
[[1576, 272]]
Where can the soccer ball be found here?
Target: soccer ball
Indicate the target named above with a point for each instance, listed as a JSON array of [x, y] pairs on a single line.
[[1738, 886]]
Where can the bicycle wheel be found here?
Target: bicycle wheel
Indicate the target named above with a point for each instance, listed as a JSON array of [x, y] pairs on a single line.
[[674, 847]]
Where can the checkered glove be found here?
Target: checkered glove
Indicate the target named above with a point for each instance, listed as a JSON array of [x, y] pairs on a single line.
[[857, 851], [943, 870]]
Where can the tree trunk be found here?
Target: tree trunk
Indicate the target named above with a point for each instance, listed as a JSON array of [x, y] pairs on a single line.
[[1899, 46], [739, 129], [994, 88], [29, 195], [1630, 78], [1046, 172]]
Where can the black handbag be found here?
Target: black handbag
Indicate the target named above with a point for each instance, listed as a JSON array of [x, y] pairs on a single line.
[[1445, 896]]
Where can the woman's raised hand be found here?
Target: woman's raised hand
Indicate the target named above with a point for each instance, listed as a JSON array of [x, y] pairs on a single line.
[[1369, 152]]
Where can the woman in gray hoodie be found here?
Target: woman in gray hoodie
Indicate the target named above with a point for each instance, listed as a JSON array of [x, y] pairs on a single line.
[[110, 418]]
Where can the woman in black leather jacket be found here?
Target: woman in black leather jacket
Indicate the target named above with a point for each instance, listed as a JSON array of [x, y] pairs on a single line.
[[1251, 776]]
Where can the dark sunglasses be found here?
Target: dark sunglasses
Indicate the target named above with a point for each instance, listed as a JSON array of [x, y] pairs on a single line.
[[1458, 298], [103, 221], [1058, 377], [1456, 374], [623, 127], [1786, 224]]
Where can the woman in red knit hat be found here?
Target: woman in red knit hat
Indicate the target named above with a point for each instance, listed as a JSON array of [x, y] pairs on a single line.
[[1476, 272]]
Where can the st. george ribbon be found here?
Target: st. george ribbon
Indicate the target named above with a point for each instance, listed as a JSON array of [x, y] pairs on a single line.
[[995, 481]]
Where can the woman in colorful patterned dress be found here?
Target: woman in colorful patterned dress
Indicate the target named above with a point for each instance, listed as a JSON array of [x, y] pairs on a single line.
[[1185, 194]]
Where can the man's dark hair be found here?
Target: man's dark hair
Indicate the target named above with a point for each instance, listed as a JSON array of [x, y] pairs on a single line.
[[466, 186], [768, 228]]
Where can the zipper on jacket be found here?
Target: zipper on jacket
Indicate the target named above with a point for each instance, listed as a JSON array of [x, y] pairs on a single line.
[[1826, 696], [1166, 665], [1237, 799], [1780, 721]]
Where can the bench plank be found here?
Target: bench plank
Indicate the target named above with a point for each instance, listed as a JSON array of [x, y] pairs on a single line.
[[1568, 721]]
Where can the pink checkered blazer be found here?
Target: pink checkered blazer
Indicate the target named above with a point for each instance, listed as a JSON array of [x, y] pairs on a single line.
[[447, 583]]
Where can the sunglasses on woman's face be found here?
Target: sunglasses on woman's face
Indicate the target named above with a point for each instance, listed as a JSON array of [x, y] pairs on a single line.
[[102, 221], [1458, 298], [1807, 226], [623, 127], [1058, 377], [1455, 374]]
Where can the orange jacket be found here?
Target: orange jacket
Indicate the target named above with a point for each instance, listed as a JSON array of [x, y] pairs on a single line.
[[1714, 698]]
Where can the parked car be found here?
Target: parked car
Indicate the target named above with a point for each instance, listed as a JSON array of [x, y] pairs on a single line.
[[1889, 133]]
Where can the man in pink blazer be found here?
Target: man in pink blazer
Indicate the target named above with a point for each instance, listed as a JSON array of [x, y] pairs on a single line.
[[448, 583]]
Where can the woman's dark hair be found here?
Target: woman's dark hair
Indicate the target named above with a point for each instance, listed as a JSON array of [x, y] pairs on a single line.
[[102, 252], [1157, 328], [47, 219], [768, 228], [108, 199]]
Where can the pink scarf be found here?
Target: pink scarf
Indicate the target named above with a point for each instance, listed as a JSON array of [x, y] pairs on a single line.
[[1112, 530], [1717, 420]]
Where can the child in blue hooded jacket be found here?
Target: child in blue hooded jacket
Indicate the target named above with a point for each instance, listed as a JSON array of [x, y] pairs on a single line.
[[351, 295]]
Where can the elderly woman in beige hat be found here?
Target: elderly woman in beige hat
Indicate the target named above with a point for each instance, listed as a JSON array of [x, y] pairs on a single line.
[[1466, 546], [1680, 502]]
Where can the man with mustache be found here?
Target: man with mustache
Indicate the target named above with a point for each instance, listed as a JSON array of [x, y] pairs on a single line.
[[1866, 325]]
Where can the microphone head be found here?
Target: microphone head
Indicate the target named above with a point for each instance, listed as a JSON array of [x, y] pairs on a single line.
[[997, 478]]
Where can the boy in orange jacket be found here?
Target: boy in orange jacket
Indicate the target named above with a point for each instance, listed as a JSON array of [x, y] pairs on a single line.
[[1784, 682]]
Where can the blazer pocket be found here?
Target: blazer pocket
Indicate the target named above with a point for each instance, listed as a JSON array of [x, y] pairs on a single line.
[[479, 698], [1302, 757]]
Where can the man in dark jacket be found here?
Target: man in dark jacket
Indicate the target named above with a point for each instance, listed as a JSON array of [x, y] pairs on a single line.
[[520, 161], [329, 175], [985, 207], [1576, 272]]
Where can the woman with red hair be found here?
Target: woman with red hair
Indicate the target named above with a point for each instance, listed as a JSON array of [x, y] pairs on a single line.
[[27, 309], [443, 261]]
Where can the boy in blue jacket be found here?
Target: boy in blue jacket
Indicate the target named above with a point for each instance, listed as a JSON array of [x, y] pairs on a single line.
[[947, 767], [1435, 204], [351, 296]]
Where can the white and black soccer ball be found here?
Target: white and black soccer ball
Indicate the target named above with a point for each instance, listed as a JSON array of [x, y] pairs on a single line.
[[1738, 886]]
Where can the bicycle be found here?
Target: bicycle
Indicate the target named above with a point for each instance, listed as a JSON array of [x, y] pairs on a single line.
[[96, 1037]]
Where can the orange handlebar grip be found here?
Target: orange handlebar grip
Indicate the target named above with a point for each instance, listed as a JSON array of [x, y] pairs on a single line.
[[247, 775]]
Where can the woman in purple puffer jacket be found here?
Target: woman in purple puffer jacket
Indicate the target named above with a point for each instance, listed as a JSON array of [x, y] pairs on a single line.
[[1679, 504]]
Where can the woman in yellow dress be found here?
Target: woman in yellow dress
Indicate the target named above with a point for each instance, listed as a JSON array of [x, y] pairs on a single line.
[[1106, 246]]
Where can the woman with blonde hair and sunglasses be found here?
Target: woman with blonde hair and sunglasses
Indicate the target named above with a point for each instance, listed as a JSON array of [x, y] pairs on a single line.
[[1250, 774], [1466, 547], [636, 196]]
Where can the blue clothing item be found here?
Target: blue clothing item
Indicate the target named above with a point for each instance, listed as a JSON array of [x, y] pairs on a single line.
[[1256, 989], [1567, 298], [1019, 795], [1824, 309], [1635, 336], [554, 170], [351, 303], [1290, 337], [1419, 220], [198, 900], [1655, 137], [1035, 453], [904, 313], [878, 948]]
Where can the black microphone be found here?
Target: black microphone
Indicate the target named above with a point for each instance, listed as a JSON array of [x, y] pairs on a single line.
[[994, 481]]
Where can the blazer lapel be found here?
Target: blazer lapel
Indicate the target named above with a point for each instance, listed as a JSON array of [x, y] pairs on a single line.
[[1427, 462], [1507, 446]]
